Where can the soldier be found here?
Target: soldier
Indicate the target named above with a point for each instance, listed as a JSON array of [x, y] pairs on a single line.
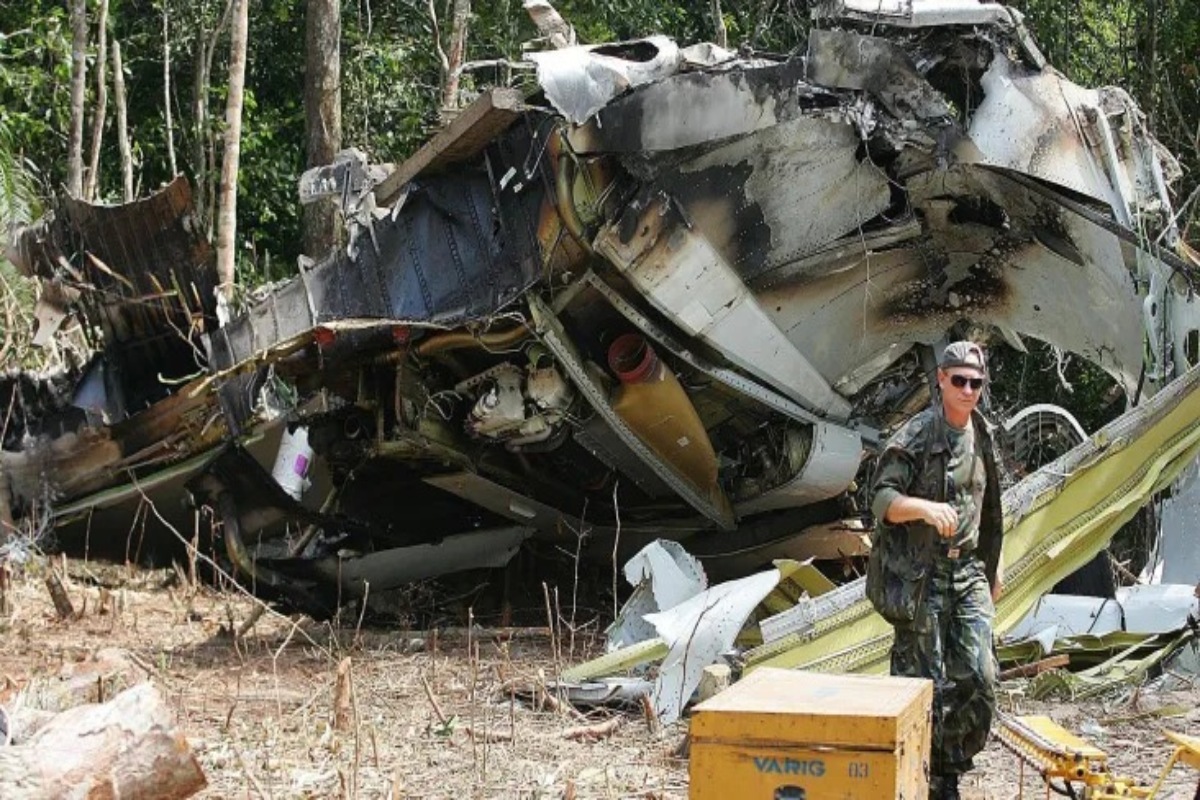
[[934, 571]]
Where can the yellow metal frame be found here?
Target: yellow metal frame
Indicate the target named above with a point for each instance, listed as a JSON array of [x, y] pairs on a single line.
[[1058, 754], [1187, 751]]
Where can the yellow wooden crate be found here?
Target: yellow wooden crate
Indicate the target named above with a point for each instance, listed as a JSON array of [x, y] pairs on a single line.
[[790, 735]]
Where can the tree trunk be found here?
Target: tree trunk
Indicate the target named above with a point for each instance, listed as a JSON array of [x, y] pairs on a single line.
[[455, 57], [91, 181], [78, 92], [200, 132], [227, 201], [169, 117], [202, 154], [122, 122], [122, 749], [322, 114], [719, 24]]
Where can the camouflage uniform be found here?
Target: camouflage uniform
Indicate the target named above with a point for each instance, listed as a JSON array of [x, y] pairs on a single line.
[[943, 628]]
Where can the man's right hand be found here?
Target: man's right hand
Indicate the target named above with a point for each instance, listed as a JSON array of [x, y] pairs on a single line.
[[942, 516]]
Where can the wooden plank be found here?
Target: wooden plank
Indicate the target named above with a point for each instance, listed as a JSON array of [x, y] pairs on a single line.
[[465, 137], [1036, 668]]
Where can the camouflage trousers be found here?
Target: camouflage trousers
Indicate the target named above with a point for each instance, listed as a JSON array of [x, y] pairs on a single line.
[[950, 642]]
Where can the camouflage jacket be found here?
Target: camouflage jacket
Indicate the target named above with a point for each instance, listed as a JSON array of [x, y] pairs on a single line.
[[918, 452]]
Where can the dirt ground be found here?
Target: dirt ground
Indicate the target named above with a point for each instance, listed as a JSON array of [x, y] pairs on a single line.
[[258, 713]]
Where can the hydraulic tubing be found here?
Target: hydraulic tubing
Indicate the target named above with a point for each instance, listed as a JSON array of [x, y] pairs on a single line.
[[458, 340]]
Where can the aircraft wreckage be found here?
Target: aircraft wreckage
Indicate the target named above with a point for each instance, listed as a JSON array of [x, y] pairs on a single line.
[[676, 293]]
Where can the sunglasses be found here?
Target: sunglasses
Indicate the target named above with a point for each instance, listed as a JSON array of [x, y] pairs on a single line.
[[961, 381]]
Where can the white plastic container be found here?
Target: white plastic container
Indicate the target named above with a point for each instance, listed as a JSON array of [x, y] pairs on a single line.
[[293, 461]]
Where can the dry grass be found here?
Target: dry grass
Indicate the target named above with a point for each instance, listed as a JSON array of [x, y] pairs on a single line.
[[260, 712]]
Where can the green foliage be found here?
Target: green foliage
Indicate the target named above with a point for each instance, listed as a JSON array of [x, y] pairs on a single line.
[[389, 80], [35, 77], [1079, 386]]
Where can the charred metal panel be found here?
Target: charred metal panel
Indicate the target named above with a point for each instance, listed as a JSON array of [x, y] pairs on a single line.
[[1018, 275], [697, 108], [687, 279], [1091, 141], [917, 13], [456, 249], [142, 273], [844, 60], [782, 193]]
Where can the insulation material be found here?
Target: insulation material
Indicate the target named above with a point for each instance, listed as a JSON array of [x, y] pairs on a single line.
[[579, 81]]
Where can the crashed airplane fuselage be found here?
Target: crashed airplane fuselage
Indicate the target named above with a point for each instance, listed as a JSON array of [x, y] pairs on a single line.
[[678, 292]]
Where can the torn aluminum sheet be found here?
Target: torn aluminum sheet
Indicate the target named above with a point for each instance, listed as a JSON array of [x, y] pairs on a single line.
[[1160, 608], [1069, 615], [699, 630], [1176, 558], [688, 280], [388, 569], [697, 108], [1084, 650], [1041, 643], [581, 80], [706, 54], [608, 691], [663, 575], [1011, 271], [801, 620], [141, 275], [1122, 177]]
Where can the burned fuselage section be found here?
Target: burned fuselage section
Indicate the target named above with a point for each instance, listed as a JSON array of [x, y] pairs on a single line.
[[684, 293]]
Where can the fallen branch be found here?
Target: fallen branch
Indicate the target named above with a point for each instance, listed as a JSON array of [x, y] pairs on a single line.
[[593, 733], [547, 699], [490, 737]]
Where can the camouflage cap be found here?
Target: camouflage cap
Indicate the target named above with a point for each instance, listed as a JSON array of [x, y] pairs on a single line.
[[963, 354]]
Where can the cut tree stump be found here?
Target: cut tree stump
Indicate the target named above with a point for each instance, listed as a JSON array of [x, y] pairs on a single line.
[[58, 593], [124, 749], [343, 717]]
